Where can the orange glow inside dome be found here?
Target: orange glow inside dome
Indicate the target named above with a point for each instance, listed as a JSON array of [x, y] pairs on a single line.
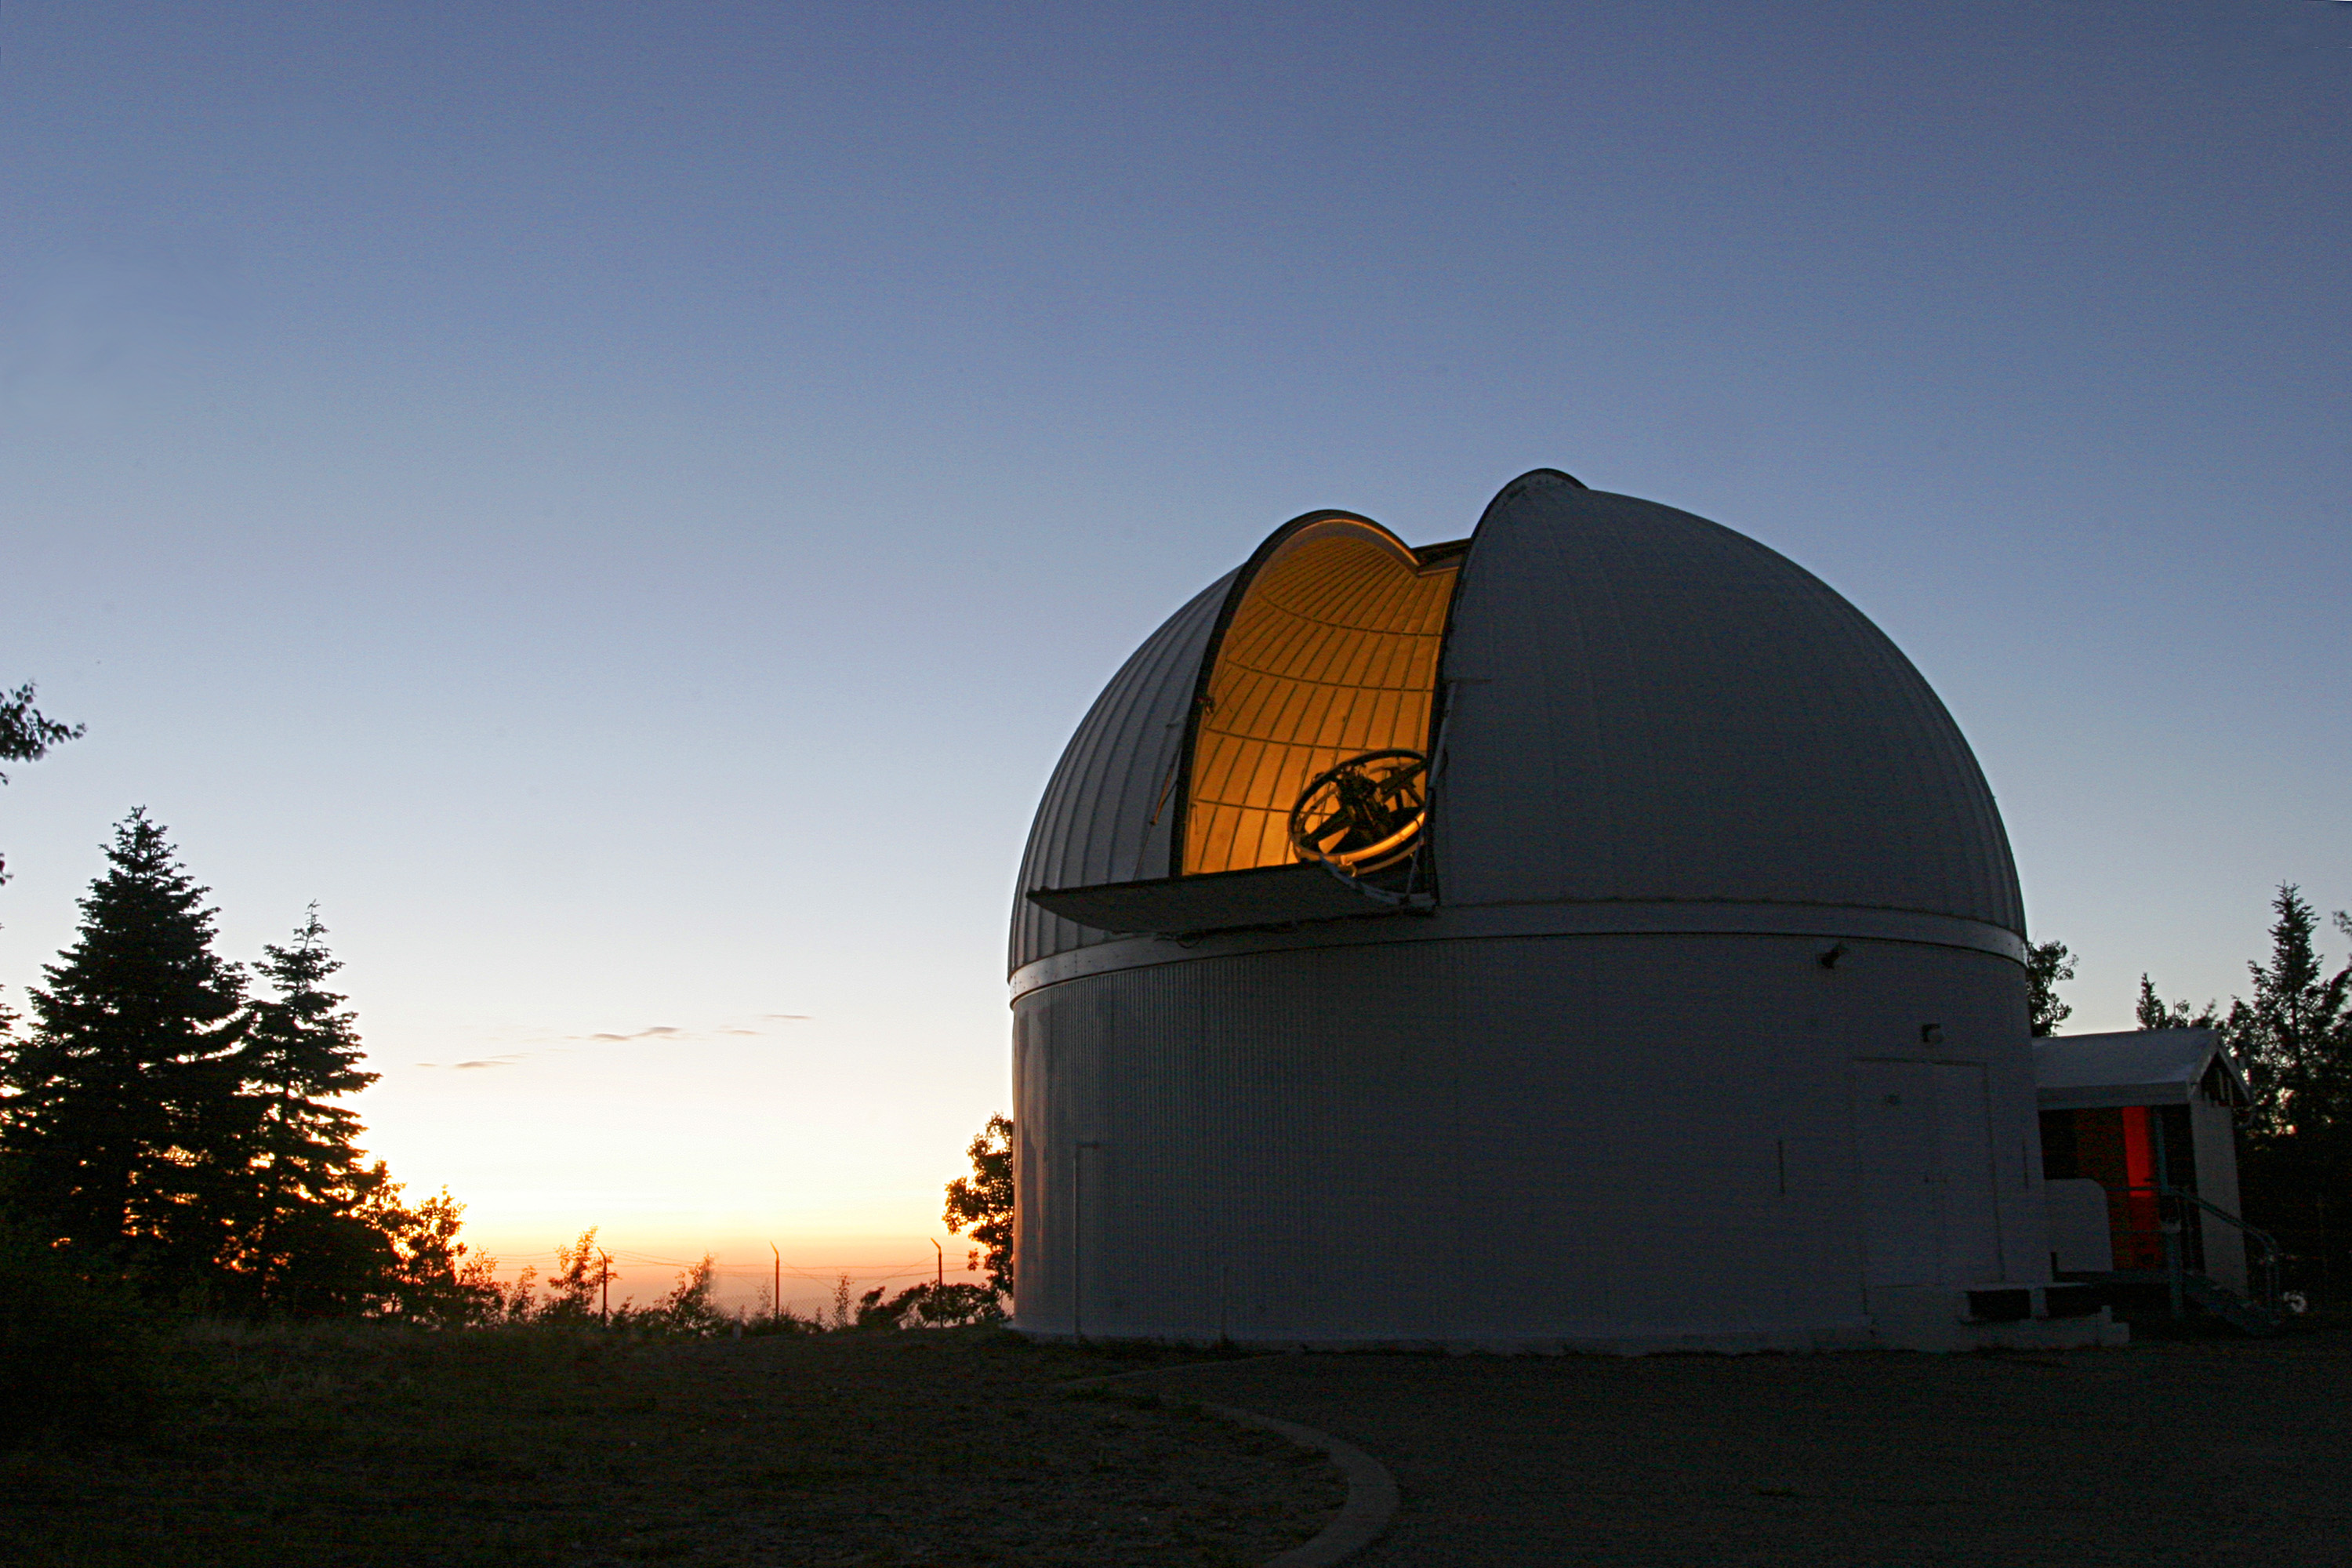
[[1332, 651]]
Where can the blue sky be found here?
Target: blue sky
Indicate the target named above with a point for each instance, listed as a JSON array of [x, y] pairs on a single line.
[[624, 504]]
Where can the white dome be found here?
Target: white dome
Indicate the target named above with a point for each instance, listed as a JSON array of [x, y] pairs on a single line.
[[1635, 706]]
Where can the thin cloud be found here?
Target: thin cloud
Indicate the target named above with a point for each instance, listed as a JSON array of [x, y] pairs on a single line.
[[656, 1032], [672, 1032]]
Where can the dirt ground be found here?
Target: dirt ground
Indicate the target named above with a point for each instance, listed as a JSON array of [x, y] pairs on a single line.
[[2207, 1451], [361, 1445], [350, 1448]]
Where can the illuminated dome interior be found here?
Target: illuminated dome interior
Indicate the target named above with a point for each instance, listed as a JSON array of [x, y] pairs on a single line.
[[1331, 652]]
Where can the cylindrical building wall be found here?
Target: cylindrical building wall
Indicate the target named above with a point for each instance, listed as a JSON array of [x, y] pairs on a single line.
[[1605, 1141]]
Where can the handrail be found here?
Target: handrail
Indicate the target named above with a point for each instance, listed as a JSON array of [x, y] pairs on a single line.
[[2180, 1259], [2270, 1258]]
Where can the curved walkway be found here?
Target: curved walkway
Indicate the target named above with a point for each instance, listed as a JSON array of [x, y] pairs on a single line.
[[2179, 1453], [1372, 1492]]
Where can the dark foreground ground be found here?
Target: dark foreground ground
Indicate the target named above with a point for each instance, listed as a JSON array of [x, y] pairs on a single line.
[[2205, 1452], [361, 1444], [969, 1448]]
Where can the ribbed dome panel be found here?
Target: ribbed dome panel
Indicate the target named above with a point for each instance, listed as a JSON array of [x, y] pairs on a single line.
[[1638, 705], [1108, 812], [1645, 705]]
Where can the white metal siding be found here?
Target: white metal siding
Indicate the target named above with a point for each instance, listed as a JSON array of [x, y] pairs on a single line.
[[1554, 1139], [1106, 816], [1648, 705]]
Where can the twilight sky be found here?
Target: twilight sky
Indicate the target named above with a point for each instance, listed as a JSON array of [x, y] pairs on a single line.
[[624, 504]]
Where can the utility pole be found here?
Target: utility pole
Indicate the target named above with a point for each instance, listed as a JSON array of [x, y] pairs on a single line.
[[776, 1304], [604, 1278], [940, 1274]]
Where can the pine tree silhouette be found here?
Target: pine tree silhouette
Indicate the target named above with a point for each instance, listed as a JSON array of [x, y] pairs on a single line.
[[127, 1076], [310, 1214], [179, 1136]]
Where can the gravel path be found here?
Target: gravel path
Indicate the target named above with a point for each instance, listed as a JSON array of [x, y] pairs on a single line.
[[2204, 1452]]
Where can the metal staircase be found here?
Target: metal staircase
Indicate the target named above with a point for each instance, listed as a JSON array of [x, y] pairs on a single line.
[[2245, 1315], [2259, 1315], [2190, 1290]]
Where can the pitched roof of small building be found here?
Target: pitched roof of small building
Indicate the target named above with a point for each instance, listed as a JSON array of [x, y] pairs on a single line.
[[2136, 1067]]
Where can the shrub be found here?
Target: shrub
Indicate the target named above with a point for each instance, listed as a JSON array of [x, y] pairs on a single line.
[[930, 1307], [79, 1355]]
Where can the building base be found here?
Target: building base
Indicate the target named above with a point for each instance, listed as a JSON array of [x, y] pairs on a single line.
[[1938, 1321]]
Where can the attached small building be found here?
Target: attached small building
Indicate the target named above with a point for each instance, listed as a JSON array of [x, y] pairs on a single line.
[[2124, 1117]]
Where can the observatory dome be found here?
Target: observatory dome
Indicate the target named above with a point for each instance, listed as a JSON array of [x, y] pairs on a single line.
[[1636, 705], [1593, 932]]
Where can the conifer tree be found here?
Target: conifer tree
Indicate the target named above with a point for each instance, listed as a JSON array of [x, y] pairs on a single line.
[[2294, 1036], [311, 1216], [180, 1137], [2155, 1013], [126, 1077]]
